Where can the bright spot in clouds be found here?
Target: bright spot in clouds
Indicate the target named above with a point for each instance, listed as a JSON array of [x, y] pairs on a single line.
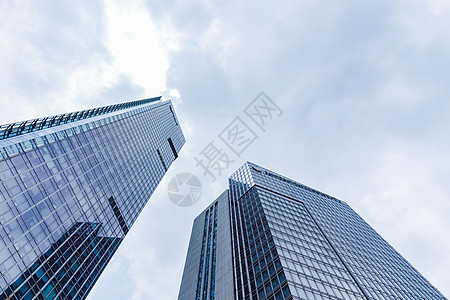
[[135, 45]]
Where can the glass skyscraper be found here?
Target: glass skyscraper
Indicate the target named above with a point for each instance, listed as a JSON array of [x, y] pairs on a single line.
[[71, 187], [269, 237]]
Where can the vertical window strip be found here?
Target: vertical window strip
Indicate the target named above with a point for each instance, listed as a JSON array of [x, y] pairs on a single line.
[[162, 160], [214, 254], [208, 252], [172, 147], [200, 269]]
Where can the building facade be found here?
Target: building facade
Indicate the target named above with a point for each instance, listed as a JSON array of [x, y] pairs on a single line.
[[289, 241], [208, 272], [71, 187]]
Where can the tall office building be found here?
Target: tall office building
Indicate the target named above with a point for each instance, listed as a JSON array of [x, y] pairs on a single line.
[[269, 237], [71, 187]]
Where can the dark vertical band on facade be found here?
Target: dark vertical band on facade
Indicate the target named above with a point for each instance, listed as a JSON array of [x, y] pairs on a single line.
[[173, 114], [118, 214], [173, 148], [162, 160]]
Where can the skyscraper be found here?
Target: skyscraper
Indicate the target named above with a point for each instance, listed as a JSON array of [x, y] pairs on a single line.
[[71, 187], [269, 237]]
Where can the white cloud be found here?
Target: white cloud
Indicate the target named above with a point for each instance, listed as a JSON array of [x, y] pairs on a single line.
[[136, 46], [70, 58]]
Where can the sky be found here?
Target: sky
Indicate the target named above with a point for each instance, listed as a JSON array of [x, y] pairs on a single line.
[[362, 86]]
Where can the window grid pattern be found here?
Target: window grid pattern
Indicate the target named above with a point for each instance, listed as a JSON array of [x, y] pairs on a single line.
[[208, 252], [47, 189], [202, 259], [311, 264], [266, 278], [241, 251], [13, 146], [207, 271], [378, 269], [214, 256]]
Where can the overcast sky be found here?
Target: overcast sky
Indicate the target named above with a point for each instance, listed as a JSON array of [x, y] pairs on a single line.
[[364, 89]]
